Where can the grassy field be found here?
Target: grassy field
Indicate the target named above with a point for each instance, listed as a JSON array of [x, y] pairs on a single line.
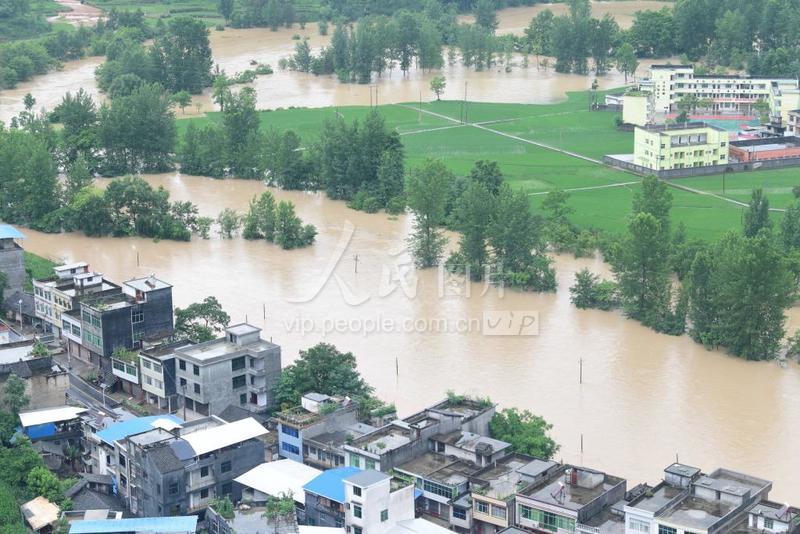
[[37, 267], [204, 9], [601, 196]]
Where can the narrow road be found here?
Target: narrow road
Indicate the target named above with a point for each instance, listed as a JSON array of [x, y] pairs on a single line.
[[590, 188]]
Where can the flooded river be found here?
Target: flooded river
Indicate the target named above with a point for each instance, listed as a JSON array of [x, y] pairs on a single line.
[[645, 397], [234, 49]]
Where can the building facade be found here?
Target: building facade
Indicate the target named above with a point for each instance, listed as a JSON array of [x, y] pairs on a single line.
[[157, 367], [12, 258], [678, 146], [239, 369], [727, 94]]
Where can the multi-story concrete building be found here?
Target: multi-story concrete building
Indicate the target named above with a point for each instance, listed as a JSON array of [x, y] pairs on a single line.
[[678, 146], [571, 499], [637, 108], [63, 291], [105, 317], [403, 440], [314, 432], [157, 367], [239, 369], [169, 472], [793, 123], [728, 94], [12, 258], [688, 501], [493, 490]]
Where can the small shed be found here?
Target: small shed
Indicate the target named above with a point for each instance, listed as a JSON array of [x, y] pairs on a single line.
[[40, 514]]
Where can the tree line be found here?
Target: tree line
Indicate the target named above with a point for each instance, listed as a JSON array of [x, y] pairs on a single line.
[[731, 294]]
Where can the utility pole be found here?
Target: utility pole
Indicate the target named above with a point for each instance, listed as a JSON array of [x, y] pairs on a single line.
[[355, 260], [466, 119], [137, 258], [580, 371], [419, 118]]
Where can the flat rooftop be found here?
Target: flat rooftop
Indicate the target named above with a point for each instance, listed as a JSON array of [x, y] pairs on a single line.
[[147, 283], [439, 468], [657, 498], [472, 442], [558, 492], [220, 348], [699, 514], [511, 474], [386, 438], [677, 127]]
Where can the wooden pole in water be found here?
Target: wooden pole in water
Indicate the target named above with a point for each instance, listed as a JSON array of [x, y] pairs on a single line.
[[581, 443], [137, 258], [580, 371]]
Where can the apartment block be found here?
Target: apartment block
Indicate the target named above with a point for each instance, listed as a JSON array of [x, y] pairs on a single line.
[[728, 94], [678, 146], [170, 472], [240, 369], [571, 499], [157, 367]]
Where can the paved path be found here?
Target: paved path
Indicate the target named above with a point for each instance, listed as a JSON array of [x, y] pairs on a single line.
[[590, 188]]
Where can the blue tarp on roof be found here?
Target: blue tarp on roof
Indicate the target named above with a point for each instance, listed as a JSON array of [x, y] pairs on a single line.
[[9, 232], [186, 523], [41, 431], [330, 483], [134, 426]]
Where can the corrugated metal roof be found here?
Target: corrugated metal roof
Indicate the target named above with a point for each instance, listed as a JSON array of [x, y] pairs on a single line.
[[50, 415], [330, 483], [280, 476], [212, 439], [135, 426], [9, 232], [186, 523]]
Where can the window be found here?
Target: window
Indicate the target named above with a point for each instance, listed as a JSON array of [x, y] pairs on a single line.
[[290, 431], [148, 380], [173, 488], [183, 382], [225, 466], [370, 463], [384, 515], [122, 461], [768, 524], [357, 491], [239, 381], [197, 388], [547, 520], [204, 471], [147, 364], [638, 525], [137, 315], [158, 489], [123, 481], [196, 370], [204, 493], [666, 530], [238, 363], [460, 513], [157, 367], [357, 510], [481, 507], [356, 530], [438, 489], [291, 449], [182, 364], [498, 512], [243, 399], [355, 461]]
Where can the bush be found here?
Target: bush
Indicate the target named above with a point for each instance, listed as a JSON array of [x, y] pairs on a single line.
[[220, 27], [264, 69], [591, 292], [396, 206]]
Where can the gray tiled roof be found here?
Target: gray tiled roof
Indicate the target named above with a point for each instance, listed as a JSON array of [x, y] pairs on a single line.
[[367, 478]]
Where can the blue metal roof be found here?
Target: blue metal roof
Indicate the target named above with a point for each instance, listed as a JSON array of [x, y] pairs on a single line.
[[330, 483], [185, 523], [9, 232], [133, 426]]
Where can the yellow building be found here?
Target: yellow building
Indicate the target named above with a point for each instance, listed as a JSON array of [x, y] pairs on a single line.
[[636, 108], [677, 146]]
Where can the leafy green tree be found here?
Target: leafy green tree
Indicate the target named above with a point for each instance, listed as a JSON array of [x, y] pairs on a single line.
[[591, 292], [757, 215], [42, 481], [302, 56], [652, 34], [438, 83], [539, 34], [625, 60], [259, 222], [603, 34], [321, 369], [182, 55], [220, 91], [182, 99], [426, 190], [201, 321], [78, 177], [703, 308], [226, 8], [229, 222], [242, 138], [654, 198], [488, 174], [473, 213], [289, 230], [485, 15], [790, 227], [14, 395], [642, 270], [527, 433], [78, 114], [138, 132], [391, 174]]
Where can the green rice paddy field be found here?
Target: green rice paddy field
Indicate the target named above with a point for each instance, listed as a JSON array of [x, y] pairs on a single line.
[[601, 196]]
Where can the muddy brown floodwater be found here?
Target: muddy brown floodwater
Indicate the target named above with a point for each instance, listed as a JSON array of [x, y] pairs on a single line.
[[645, 397], [234, 49]]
